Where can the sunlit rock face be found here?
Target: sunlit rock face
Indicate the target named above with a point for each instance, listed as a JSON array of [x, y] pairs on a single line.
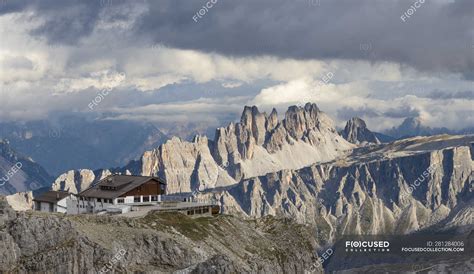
[[258, 144], [301, 168], [403, 187]]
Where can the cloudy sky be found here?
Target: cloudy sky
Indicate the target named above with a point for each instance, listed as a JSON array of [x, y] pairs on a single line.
[[173, 61]]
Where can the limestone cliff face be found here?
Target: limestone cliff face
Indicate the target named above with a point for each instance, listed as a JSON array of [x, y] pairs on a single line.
[[21, 201], [185, 166], [75, 181], [412, 185], [258, 144]]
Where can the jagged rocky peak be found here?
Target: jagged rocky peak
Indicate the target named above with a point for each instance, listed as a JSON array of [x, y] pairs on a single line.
[[389, 189], [256, 145], [298, 120], [356, 132], [412, 122], [272, 120], [415, 126], [254, 122], [259, 129]]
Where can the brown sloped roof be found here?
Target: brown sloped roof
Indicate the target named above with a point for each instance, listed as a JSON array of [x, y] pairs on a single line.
[[121, 184], [52, 196]]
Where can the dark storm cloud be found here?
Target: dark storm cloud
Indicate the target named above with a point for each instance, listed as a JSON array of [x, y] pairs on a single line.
[[65, 21], [437, 37], [402, 112], [346, 113]]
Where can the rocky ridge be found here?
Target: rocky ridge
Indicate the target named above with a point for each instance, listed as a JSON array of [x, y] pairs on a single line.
[[415, 126], [407, 186], [258, 144], [163, 243], [66, 142]]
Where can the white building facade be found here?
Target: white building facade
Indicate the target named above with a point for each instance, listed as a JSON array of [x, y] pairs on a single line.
[[94, 205], [53, 201], [117, 191]]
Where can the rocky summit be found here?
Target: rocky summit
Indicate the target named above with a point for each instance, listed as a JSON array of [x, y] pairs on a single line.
[[356, 132], [258, 144]]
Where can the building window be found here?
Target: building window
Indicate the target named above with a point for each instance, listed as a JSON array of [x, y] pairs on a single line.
[[154, 198], [99, 200], [120, 200], [136, 199], [146, 198]]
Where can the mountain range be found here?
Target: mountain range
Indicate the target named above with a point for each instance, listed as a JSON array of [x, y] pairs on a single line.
[[69, 142], [258, 144], [20, 173], [299, 168], [414, 126]]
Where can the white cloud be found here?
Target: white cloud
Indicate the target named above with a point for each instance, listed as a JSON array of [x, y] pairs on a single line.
[[457, 113], [200, 110], [33, 72]]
